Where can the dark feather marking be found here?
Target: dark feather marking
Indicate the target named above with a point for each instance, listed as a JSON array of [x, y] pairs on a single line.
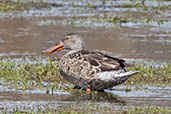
[[85, 52], [120, 61], [93, 62], [105, 68], [71, 34], [89, 56], [108, 68]]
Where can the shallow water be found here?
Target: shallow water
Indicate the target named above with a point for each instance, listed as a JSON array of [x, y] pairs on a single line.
[[22, 37], [36, 100], [26, 33]]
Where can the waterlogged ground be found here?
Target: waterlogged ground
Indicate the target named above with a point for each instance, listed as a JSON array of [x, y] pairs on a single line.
[[138, 31], [38, 101]]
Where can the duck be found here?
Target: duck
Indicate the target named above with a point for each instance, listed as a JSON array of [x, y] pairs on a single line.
[[90, 70]]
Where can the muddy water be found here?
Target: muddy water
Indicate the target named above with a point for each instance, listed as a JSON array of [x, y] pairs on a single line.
[[27, 33], [145, 34], [22, 37], [37, 100]]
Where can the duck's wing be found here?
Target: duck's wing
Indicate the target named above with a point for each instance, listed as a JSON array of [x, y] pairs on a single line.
[[103, 61], [110, 54]]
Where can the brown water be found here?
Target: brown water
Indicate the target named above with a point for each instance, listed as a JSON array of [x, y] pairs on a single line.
[[22, 37], [37, 100], [27, 33]]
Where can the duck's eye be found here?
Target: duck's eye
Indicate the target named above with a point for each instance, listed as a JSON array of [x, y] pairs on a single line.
[[67, 38]]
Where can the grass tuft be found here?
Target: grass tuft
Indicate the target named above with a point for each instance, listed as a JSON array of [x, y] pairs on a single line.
[[30, 75], [8, 6], [151, 75], [26, 75]]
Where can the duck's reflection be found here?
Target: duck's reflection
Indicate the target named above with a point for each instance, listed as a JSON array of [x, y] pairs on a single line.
[[96, 97]]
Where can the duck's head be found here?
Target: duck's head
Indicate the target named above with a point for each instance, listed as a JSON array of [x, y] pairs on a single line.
[[70, 42]]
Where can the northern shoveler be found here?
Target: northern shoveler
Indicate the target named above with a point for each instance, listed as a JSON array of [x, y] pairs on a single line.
[[95, 70]]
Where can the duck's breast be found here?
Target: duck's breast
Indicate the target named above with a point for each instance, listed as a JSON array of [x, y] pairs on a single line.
[[76, 68]]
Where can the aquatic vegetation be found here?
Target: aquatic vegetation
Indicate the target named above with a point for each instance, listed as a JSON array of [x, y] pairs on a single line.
[[151, 75], [7, 6], [107, 110], [27, 75], [147, 12], [149, 110], [101, 110], [21, 5]]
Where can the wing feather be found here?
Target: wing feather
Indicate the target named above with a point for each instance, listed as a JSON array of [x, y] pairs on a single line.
[[103, 61]]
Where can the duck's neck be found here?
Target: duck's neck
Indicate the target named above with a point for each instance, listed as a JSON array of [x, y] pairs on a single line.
[[72, 51], [76, 50]]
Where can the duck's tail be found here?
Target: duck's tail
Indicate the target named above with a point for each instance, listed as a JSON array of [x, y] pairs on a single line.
[[127, 73]]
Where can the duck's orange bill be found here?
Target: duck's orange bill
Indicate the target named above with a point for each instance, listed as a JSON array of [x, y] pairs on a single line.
[[57, 47]]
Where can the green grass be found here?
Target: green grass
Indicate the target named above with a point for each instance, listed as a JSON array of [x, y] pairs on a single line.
[[144, 15], [9, 6], [151, 75], [30, 75], [148, 110], [90, 109], [34, 75]]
